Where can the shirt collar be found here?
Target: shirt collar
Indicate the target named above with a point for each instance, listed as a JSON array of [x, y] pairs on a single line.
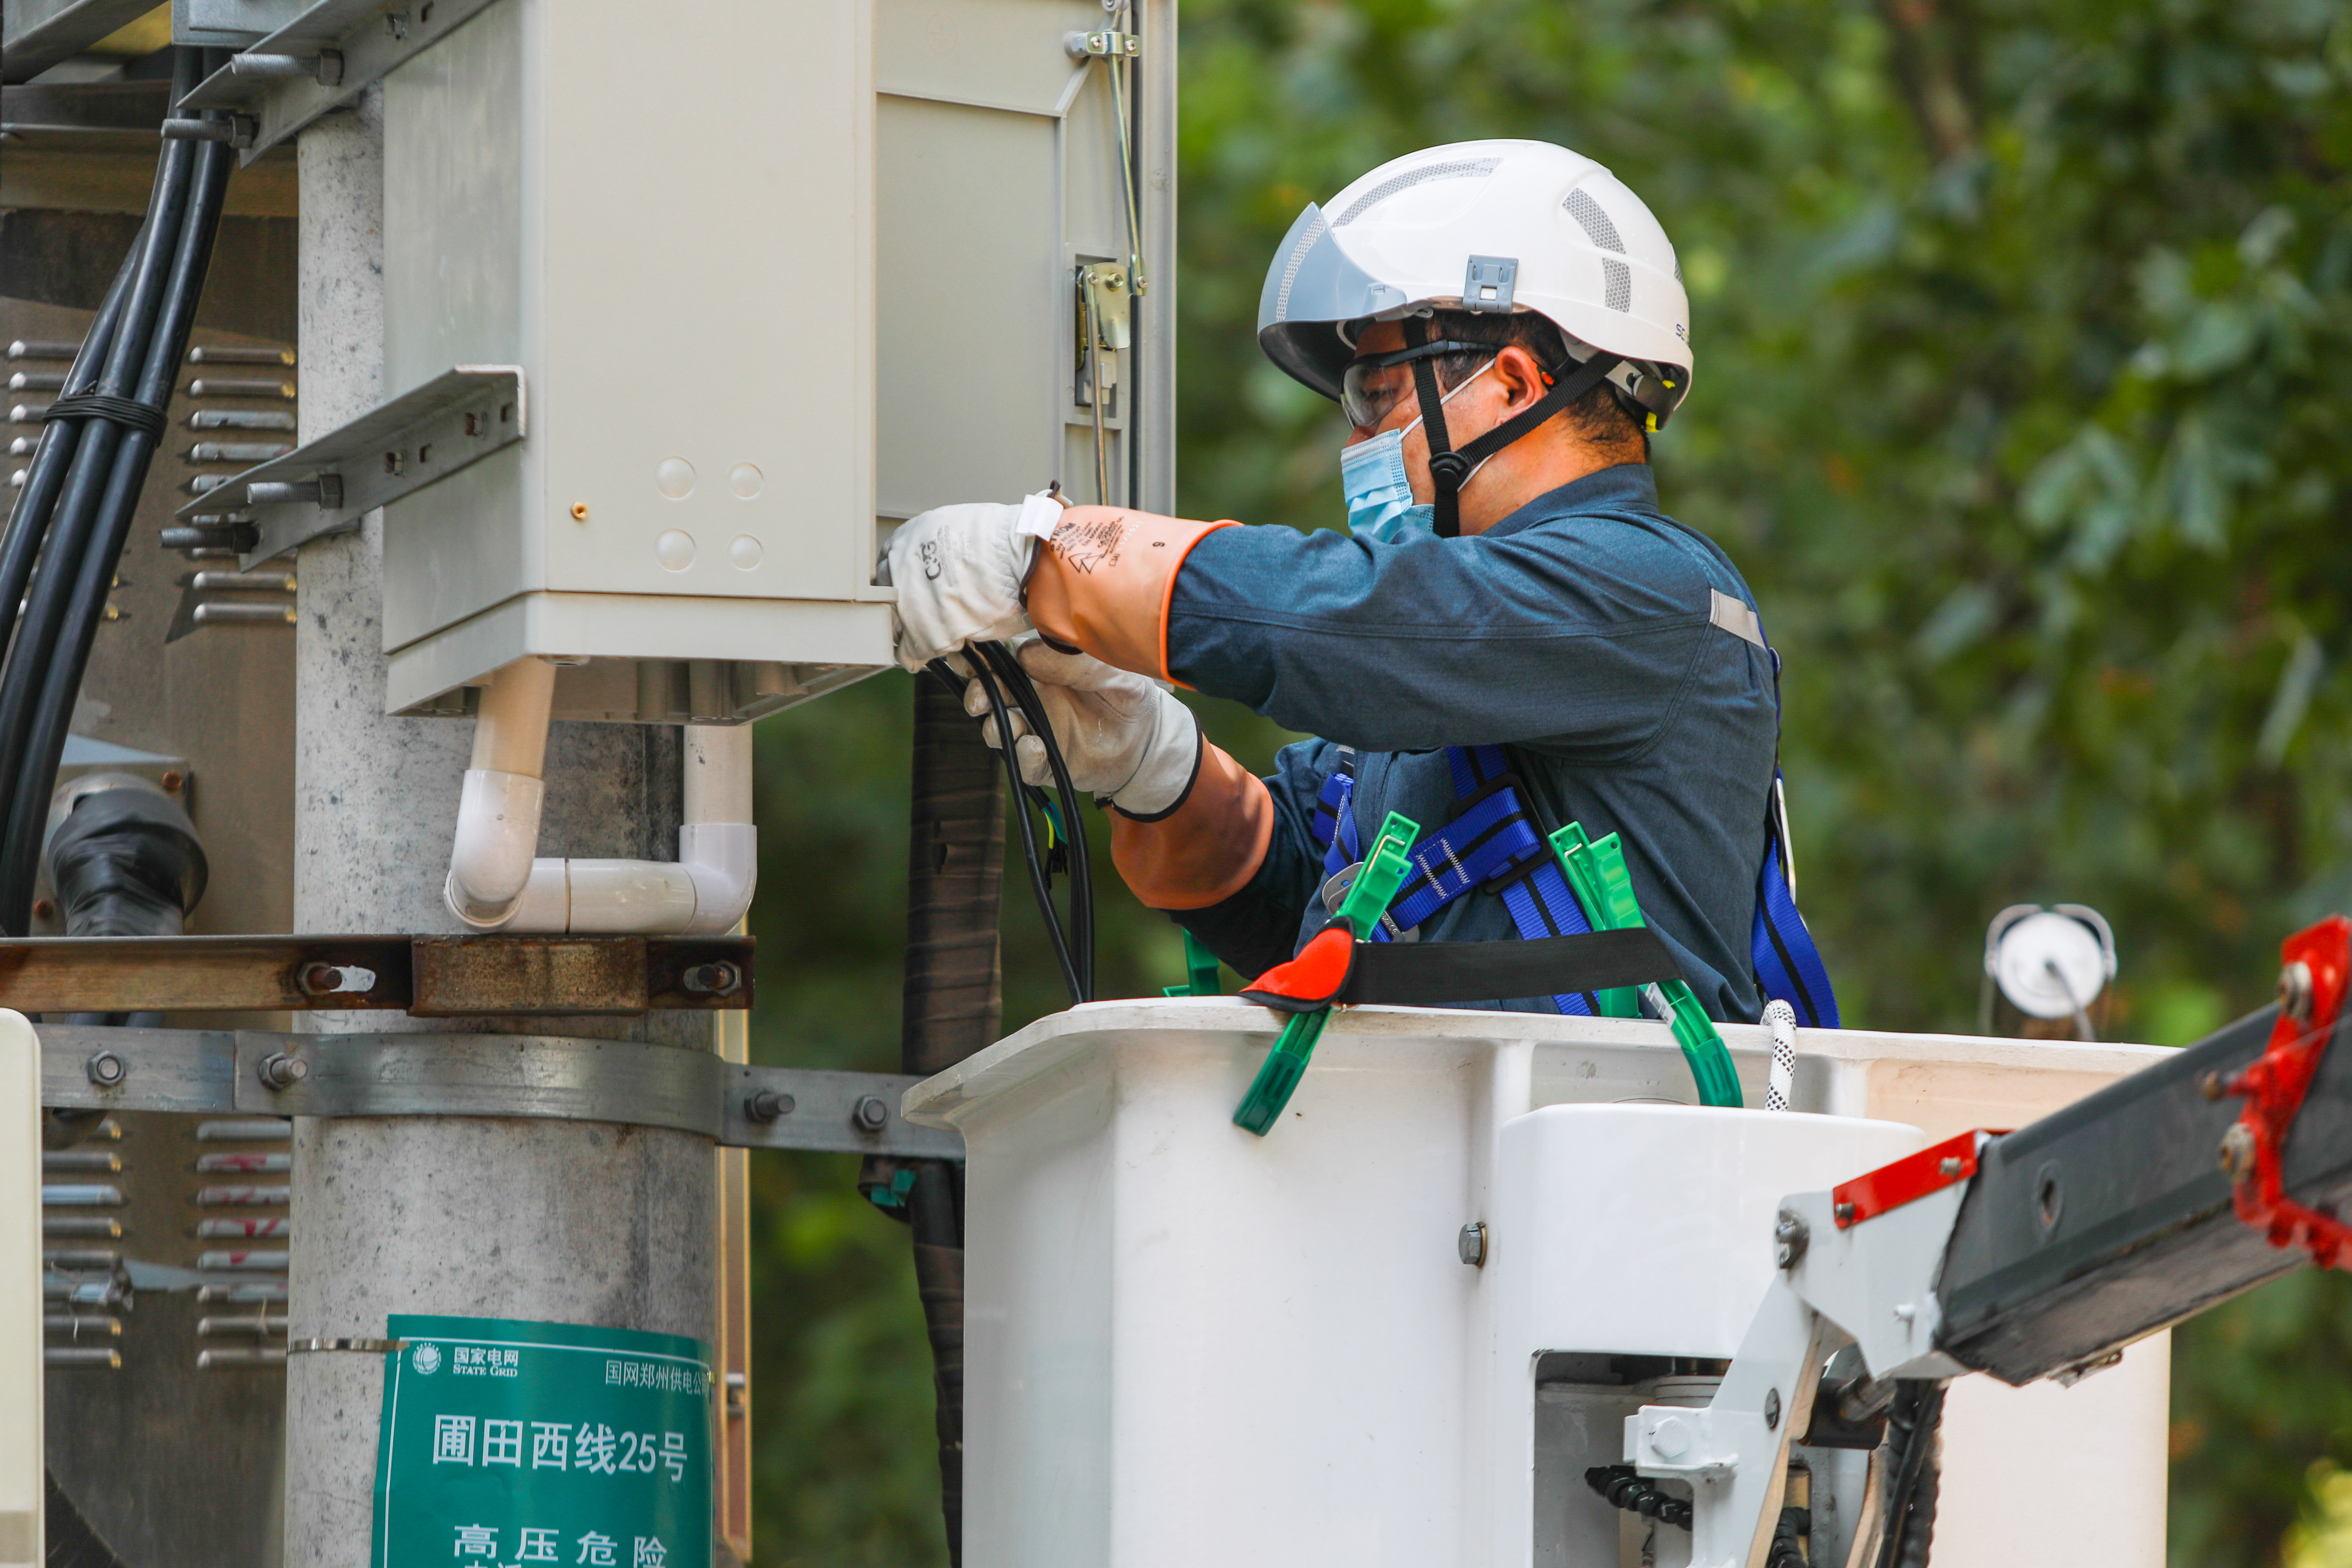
[[1627, 486]]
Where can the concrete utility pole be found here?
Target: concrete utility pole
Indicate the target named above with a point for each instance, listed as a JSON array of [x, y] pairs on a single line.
[[565, 1221]]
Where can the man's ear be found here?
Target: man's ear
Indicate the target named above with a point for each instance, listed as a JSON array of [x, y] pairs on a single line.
[[1521, 377]]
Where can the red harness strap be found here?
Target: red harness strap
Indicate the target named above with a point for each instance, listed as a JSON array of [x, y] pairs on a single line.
[[2311, 995]]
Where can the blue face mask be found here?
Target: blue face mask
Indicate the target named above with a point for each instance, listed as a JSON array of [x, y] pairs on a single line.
[[1380, 494]]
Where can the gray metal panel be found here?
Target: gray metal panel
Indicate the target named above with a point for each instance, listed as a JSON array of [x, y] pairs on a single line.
[[229, 24], [970, 297], [454, 294]]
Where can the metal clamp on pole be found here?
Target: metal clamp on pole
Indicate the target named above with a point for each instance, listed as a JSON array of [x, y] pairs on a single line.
[[251, 1071]]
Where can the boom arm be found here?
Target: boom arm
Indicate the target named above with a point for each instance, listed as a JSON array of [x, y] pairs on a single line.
[[2038, 1253]]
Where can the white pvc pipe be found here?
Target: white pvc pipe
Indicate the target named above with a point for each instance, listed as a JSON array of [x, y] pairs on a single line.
[[496, 884], [499, 807]]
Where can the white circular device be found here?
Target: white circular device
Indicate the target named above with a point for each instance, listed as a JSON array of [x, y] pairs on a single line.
[[2049, 965]]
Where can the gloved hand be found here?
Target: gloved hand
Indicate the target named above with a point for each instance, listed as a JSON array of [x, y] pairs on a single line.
[[1124, 737], [958, 570]]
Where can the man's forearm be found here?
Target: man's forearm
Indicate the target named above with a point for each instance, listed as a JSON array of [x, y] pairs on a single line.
[[1205, 851], [1102, 584]]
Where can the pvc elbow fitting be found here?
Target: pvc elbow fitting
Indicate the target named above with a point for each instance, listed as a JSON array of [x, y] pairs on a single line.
[[724, 859], [490, 863]]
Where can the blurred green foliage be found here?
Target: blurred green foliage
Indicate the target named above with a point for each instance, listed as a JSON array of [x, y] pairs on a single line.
[[2022, 334]]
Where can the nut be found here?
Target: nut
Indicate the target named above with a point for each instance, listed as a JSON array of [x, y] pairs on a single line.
[[2294, 991], [1470, 1244], [106, 1069], [280, 1069], [2237, 1151], [172, 781], [718, 978], [870, 1115], [1791, 1236], [1771, 1410]]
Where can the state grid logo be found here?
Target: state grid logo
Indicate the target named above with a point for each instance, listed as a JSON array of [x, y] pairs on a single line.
[[425, 1358]]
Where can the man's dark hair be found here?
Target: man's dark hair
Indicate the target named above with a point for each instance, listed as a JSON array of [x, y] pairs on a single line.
[[1604, 415]]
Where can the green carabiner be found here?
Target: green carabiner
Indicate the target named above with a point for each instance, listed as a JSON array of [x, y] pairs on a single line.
[[1596, 872], [1384, 871]]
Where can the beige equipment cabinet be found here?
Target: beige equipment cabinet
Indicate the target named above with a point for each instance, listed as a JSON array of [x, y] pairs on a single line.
[[776, 277]]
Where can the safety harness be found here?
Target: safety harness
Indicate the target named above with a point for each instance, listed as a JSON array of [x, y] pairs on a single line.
[[1494, 840]]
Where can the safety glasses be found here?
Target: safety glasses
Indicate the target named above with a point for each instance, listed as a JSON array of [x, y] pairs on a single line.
[[1370, 388]]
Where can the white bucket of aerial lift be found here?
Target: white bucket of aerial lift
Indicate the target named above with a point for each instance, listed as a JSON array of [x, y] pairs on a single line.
[[1186, 1344]]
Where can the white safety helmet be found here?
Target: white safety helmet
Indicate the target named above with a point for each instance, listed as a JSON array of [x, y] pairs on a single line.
[[1485, 226]]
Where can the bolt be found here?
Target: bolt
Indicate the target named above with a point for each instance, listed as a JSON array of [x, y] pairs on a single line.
[[1470, 1244], [281, 1071], [1771, 1410], [870, 1115], [580, 511], [1949, 1166], [172, 781], [1905, 1311], [1791, 1236], [43, 908], [2294, 991], [767, 1105], [2210, 1085], [1670, 1437], [321, 979], [106, 1069], [1845, 1213], [715, 979], [2237, 1151]]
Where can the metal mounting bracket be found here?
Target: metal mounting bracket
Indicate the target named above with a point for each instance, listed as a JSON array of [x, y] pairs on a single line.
[[246, 1072], [326, 486], [370, 39]]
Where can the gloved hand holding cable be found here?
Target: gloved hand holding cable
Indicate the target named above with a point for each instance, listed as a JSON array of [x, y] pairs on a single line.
[[1126, 740]]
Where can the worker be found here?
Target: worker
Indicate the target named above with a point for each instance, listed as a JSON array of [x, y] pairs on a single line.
[[1503, 324]]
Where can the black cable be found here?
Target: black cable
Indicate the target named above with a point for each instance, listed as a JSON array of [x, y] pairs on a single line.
[[40, 621], [53, 714], [1912, 1423], [99, 495], [53, 456], [1038, 883], [1073, 825]]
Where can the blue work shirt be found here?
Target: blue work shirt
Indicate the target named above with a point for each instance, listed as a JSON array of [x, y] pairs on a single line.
[[1583, 632]]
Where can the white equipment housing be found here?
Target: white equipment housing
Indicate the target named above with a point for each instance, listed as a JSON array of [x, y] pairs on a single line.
[[1187, 1344], [759, 317], [21, 1383]]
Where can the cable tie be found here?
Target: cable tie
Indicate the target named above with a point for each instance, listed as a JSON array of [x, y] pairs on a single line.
[[128, 412]]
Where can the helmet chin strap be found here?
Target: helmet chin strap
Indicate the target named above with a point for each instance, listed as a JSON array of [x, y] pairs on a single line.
[[1450, 469]]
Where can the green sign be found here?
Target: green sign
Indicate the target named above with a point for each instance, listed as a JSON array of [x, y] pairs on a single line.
[[507, 1444]]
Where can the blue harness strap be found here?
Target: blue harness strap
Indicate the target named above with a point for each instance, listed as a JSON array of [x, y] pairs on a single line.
[[1787, 965], [1490, 840]]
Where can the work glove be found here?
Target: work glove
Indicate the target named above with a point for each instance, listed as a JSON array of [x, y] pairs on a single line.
[[1124, 737], [960, 570]]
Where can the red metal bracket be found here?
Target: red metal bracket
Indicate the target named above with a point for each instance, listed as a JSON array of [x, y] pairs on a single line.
[[2311, 997], [1912, 1177]]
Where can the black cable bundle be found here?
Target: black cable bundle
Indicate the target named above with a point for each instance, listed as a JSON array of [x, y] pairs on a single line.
[[1913, 1422], [1074, 941], [65, 535]]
